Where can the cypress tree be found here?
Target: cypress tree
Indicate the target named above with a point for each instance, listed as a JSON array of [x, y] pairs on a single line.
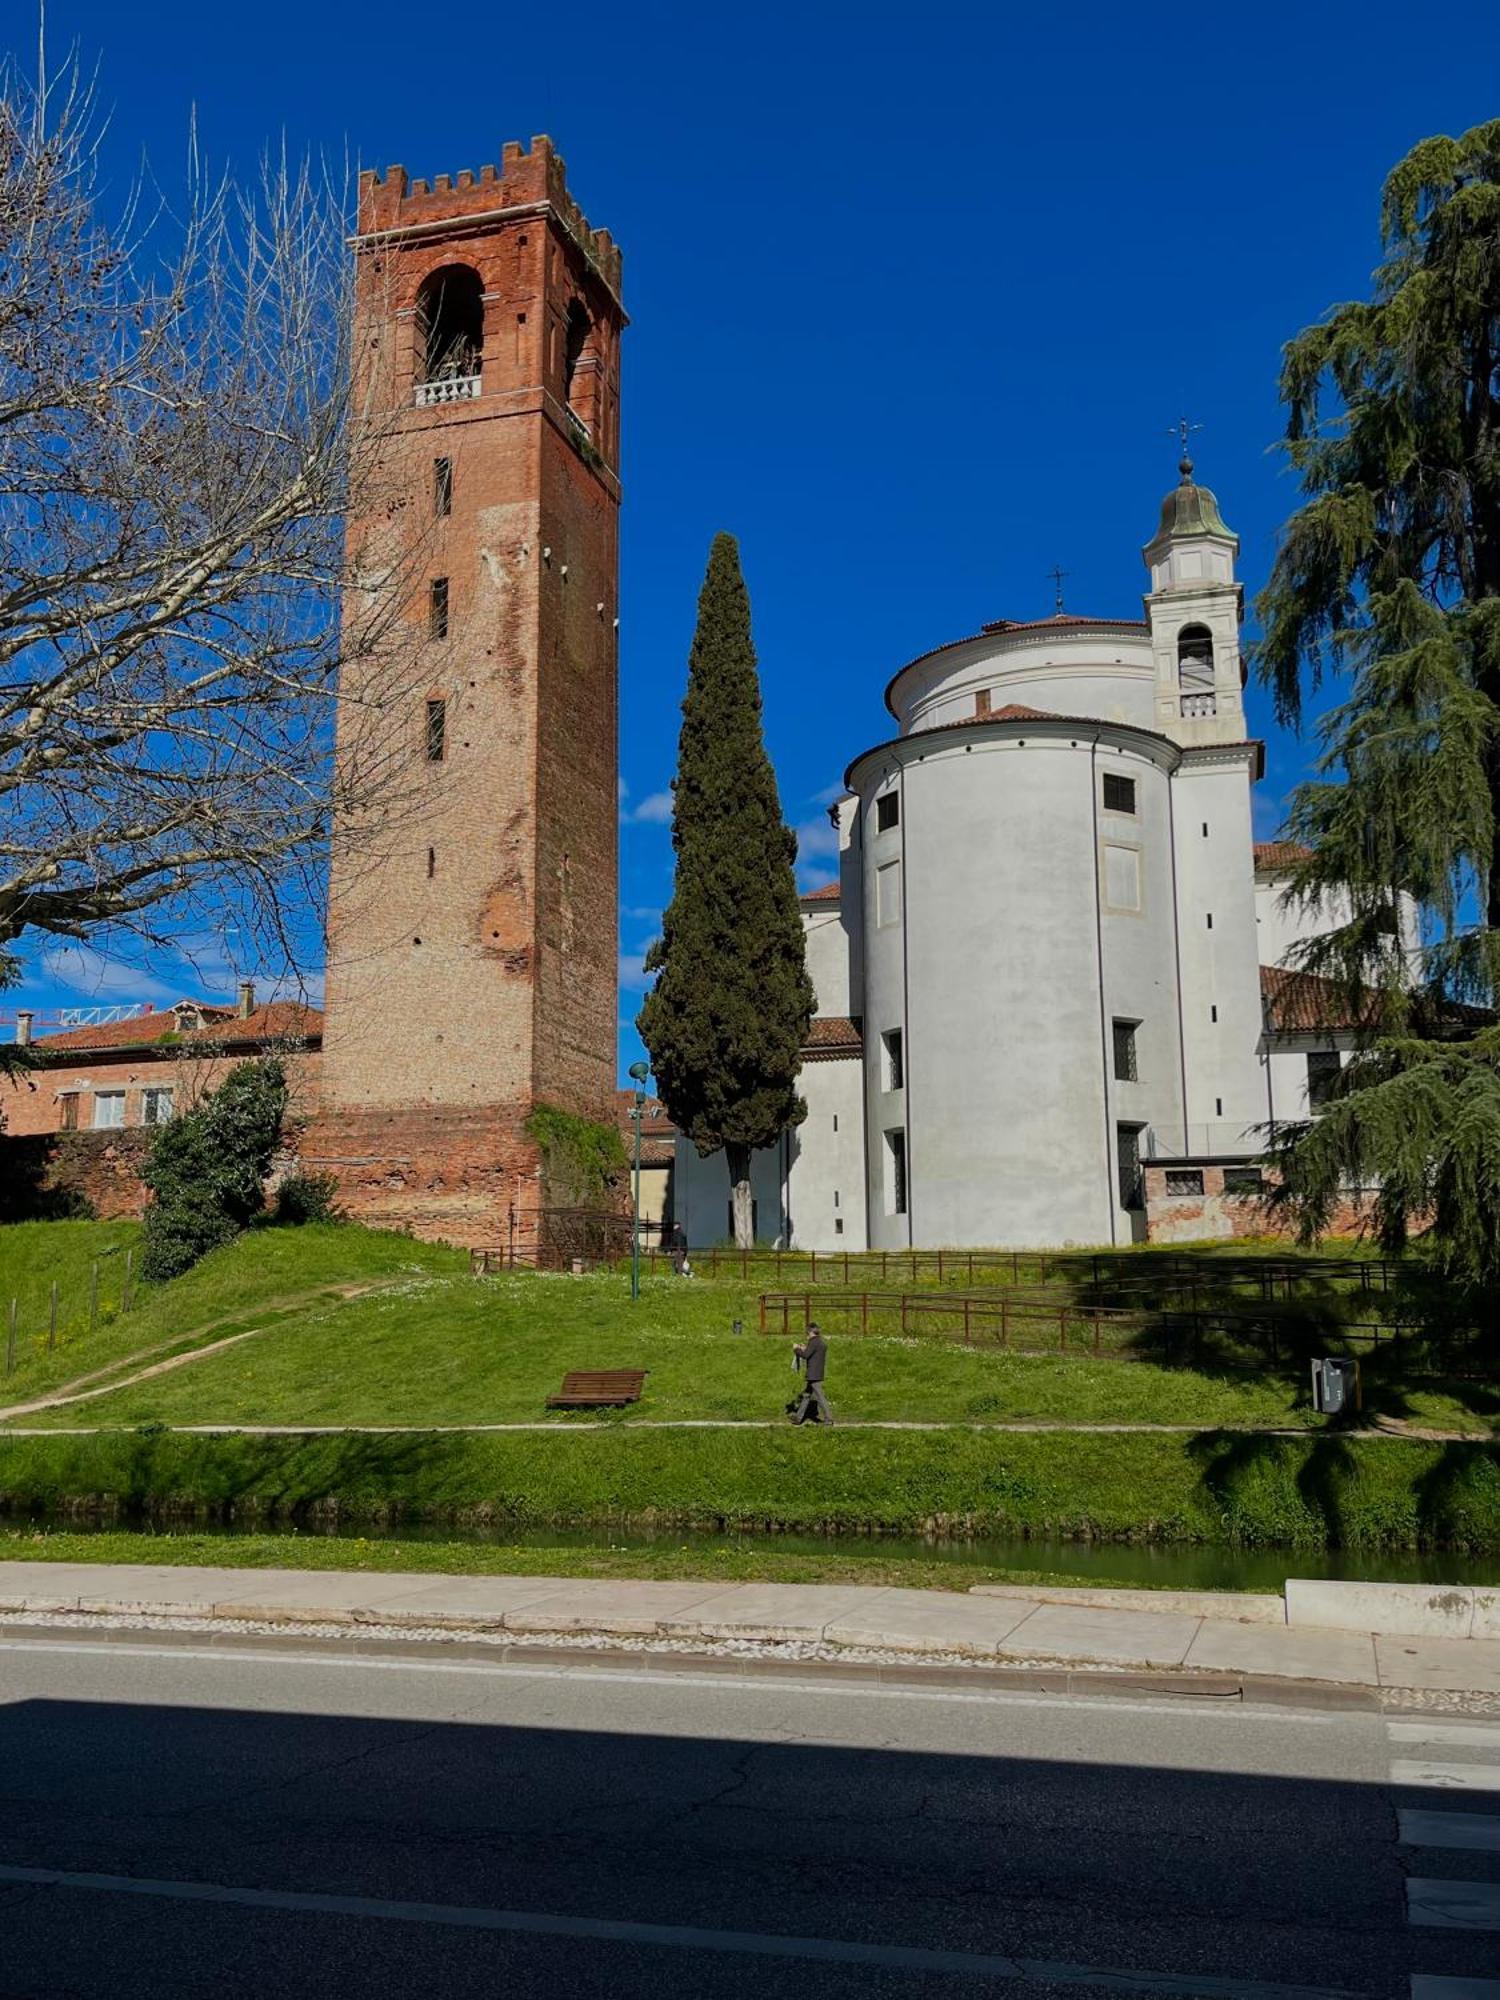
[[727, 1018], [1389, 579]]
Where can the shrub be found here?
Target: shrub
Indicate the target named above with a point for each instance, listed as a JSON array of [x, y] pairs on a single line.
[[207, 1169], [581, 1161], [308, 1198]]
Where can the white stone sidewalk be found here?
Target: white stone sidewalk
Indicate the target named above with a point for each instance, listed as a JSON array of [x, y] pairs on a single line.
[[1177, 1631]]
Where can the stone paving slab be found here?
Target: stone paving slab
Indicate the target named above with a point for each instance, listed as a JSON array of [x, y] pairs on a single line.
[[1244, 1606], [468, 1602], [623, 1609], [1117, 1638], [1301, 1655], [768, 1611], [1461, 1666], [910, 1621]]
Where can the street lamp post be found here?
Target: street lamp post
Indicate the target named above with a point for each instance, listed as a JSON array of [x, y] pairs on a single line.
[[638, 1073]]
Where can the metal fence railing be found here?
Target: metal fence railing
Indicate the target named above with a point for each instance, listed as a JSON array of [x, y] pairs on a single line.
[[1033, 1325], [1266, 1277]]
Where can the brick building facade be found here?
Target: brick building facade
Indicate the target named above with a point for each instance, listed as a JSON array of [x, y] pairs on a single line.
[[79, 1124], [471, 953]]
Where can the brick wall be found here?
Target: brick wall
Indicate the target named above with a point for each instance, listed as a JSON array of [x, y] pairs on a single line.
[[473, 926], [459, 1176], [40, 1173], [33, 1103], [1214, 1215]]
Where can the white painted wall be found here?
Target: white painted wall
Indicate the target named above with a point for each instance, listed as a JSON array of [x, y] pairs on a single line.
[[1005, 975], [1221, 1004], [1097, 671], [826, 1182], [1286, 1058], [1281, 924]]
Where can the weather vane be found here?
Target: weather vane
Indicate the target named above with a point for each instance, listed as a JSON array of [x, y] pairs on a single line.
[[1057, 576]]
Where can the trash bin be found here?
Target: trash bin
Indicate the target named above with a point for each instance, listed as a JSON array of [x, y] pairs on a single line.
[[1335, 1385]]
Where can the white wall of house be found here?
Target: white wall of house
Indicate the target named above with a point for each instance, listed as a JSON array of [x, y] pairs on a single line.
[[826, 1182], [1224, 1088]]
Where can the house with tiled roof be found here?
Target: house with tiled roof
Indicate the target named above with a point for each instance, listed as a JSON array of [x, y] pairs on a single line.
[[106, 1083], [1057, 988]]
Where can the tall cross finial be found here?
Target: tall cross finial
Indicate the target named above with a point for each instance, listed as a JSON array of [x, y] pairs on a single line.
[[1057, 576], [1182, 430]]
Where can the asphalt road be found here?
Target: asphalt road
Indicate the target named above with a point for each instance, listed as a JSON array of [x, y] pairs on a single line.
[[286, 1823]]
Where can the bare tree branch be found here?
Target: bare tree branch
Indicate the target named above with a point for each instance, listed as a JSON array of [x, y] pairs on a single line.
[[182, 437]]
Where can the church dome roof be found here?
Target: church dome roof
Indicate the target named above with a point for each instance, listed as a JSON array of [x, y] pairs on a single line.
[[1190, 509]]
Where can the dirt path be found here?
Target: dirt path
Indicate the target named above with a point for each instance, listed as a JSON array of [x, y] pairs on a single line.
[[567, 1426], [105, 1381]]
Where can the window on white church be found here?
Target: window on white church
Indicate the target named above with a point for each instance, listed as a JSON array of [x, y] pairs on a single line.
[[1128, 1158], [1323, 1066], [895, 1179], [895, 1061], [1126, 1067], [1119, 793], [887, 811], [1195, 670], [888, 894], [1122, 877]]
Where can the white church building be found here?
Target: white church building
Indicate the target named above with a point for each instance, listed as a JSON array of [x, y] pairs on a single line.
[[1048, 1004]]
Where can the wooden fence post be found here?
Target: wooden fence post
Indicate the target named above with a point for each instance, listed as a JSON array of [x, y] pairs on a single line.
[[126, 1286], [10, 1339], [94, 1296], [52, 1321]]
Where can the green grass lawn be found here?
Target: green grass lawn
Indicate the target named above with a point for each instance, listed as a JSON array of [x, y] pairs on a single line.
[[434, 1346], [1245, 1488], [438, 1349], [35, 1255], [242, 1285], [737, 1559]]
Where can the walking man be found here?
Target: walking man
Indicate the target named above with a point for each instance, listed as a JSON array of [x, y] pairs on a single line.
[[812, 1356]]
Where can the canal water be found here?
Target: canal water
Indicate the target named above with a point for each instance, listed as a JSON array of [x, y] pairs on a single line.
[[1105, 1564]]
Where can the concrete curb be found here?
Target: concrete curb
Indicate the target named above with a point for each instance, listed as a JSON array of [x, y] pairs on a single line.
[[943, 1627], [1397, 1610]]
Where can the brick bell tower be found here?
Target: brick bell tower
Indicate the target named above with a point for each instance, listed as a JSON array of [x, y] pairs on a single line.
[[472, 920]]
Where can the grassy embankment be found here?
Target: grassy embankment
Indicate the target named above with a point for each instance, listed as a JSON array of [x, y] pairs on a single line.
[[438, 1348]]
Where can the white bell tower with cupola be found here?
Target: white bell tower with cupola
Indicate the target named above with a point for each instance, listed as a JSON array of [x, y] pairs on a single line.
[[1195, 608]]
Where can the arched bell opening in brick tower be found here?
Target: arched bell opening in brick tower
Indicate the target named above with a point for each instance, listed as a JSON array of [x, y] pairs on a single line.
[[450, 324]]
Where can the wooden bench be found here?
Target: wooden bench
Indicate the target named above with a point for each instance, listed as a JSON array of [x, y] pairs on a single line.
[[599, 1389]]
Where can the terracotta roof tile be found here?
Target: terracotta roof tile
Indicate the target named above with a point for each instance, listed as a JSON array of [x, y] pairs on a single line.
[[275, 1020], [1059, 620], [829, 893], [1303, 1003], [1276, 857], [832, 1035]]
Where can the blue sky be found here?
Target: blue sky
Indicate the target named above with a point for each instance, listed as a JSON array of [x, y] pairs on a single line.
[[916, 293]]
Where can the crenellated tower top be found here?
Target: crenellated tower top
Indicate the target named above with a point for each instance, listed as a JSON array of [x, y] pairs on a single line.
[[393, 206]]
